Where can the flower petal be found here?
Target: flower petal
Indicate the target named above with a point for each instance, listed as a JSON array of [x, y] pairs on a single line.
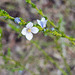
[[29, 25], [39, 22], [34, 30], [44, 22], [43, 19], [24, 30], [29, 36]]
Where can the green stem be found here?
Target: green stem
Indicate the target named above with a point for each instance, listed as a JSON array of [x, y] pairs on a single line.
[[67, 66], [16, 63], [48, 57], [41, 13]]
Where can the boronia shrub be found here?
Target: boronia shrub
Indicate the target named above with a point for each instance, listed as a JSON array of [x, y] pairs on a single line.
[[28, 29]]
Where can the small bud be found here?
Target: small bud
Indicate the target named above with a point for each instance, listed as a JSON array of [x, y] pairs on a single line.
[[20, 72], [52, 29], [17, 20]]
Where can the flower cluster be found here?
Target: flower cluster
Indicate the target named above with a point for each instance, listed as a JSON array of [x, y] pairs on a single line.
[[29, 30]]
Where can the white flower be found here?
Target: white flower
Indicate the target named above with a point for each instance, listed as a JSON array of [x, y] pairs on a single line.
[[28, 30], [42, 22]]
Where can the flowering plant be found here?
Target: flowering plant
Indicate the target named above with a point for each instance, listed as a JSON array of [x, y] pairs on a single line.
[[28, 29]]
